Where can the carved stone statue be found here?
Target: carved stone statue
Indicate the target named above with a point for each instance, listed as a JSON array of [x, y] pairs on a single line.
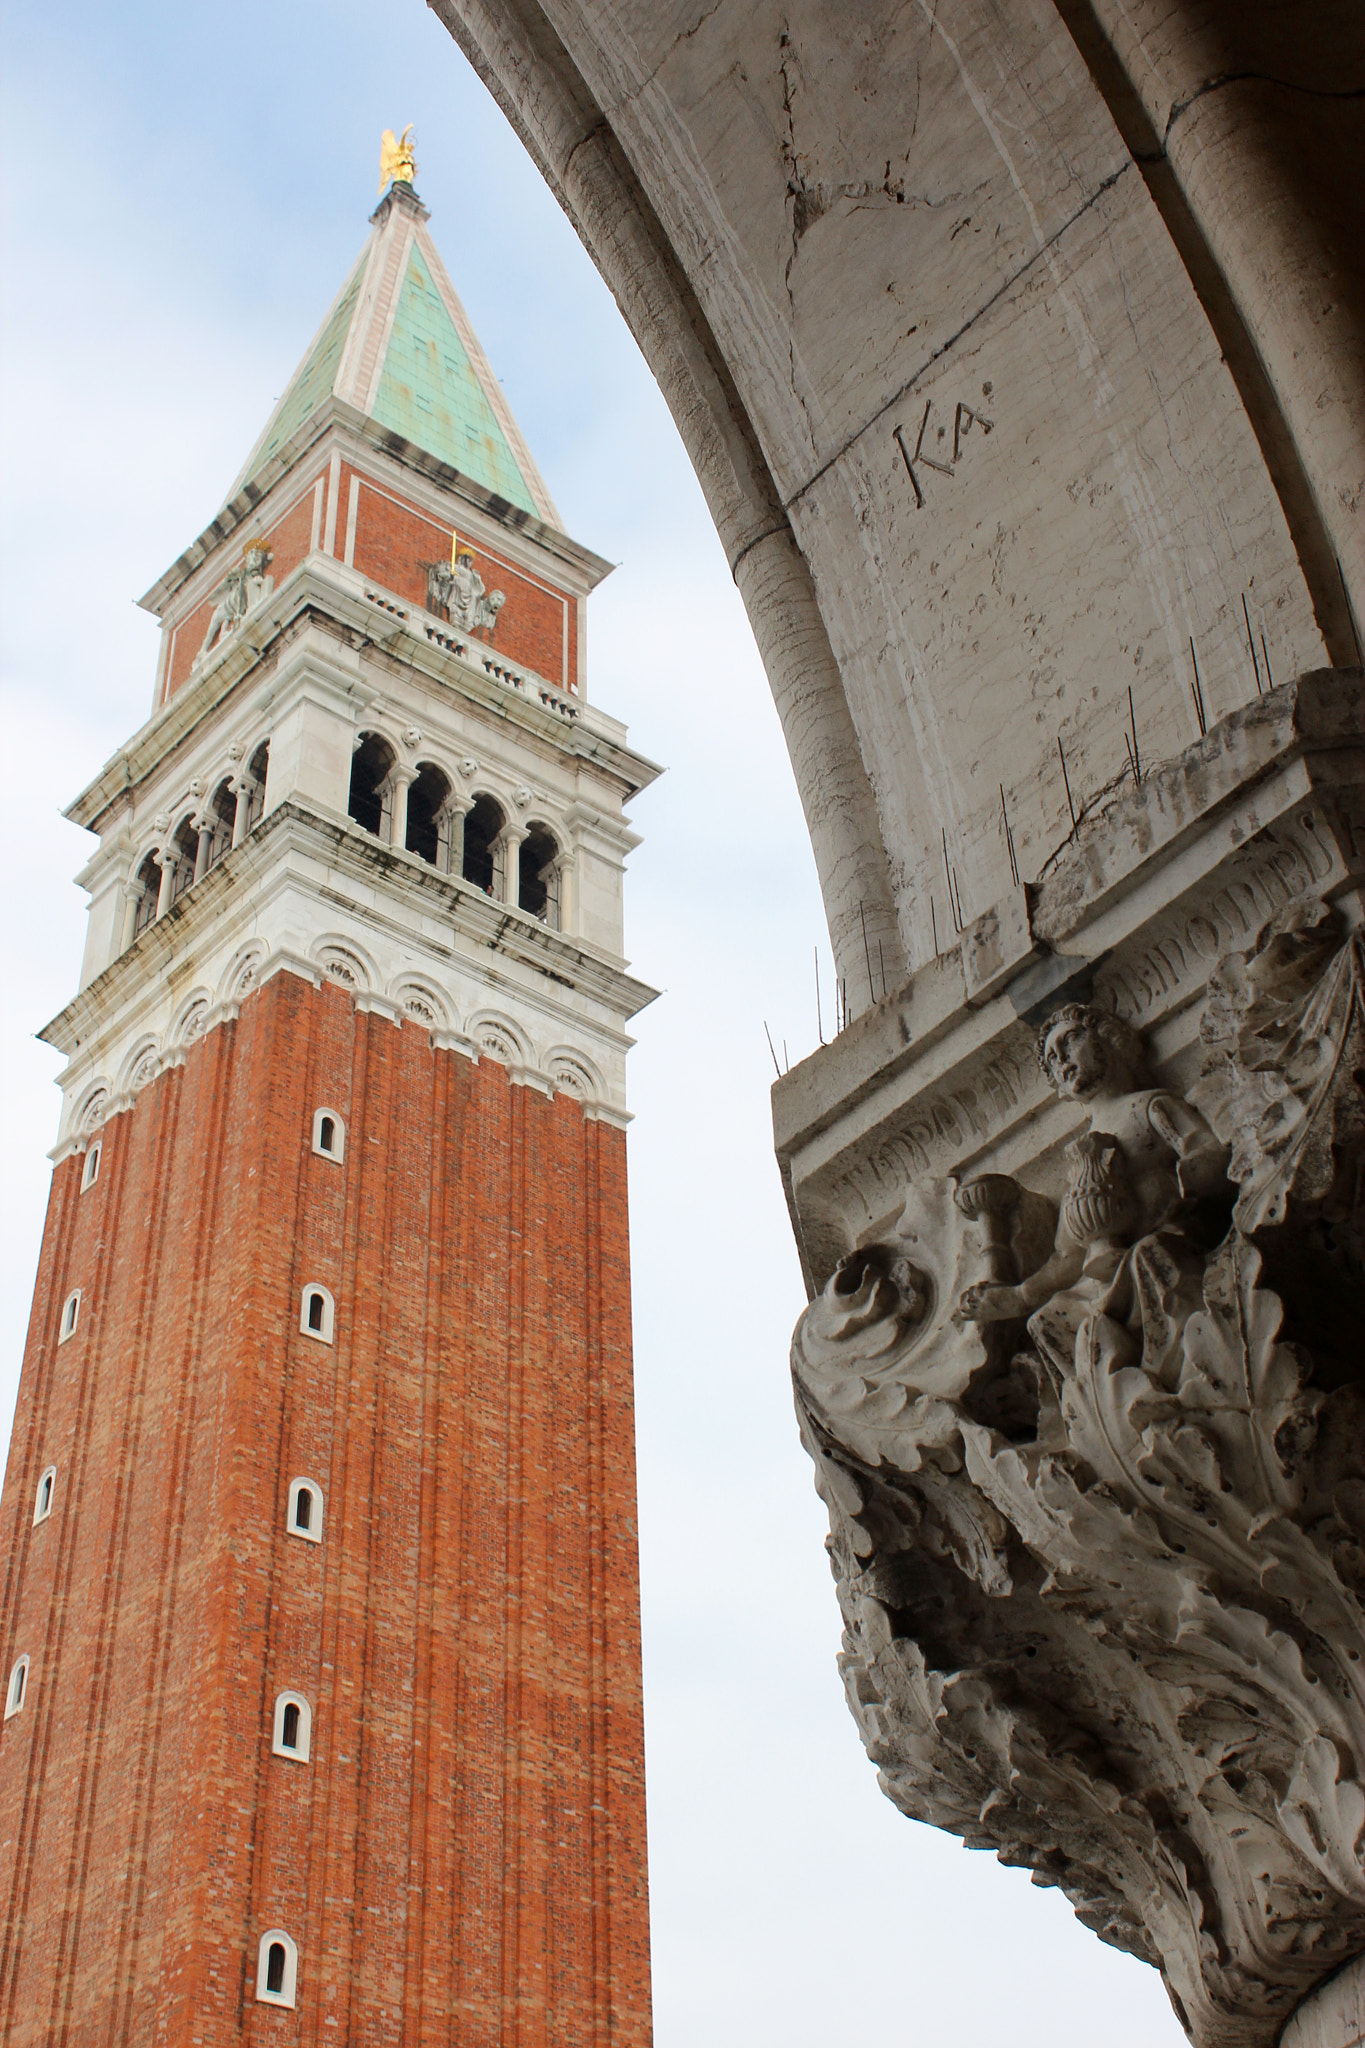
[[1135, 1220], [1096, 1481], [455, 591], [239, 593]]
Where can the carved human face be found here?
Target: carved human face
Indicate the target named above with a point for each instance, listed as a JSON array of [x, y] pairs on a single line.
[[1077, 1061]]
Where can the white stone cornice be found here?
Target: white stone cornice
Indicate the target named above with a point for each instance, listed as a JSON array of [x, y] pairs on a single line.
[[336, 424], [312, 894], [361, 615]]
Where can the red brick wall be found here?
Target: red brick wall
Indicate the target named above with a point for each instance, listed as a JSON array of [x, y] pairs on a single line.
[[463, 1857], [288, 541], [392, 540]]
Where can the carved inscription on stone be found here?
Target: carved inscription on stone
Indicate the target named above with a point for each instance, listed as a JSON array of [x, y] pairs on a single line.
[[939, 445]]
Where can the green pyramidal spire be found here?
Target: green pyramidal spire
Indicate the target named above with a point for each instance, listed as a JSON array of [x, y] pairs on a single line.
[[397, 345]]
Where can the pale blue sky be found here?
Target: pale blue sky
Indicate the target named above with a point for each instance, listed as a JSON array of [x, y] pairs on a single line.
[[186, 188]]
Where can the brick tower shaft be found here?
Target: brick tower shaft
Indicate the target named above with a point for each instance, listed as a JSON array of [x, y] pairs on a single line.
[[320, 1608]]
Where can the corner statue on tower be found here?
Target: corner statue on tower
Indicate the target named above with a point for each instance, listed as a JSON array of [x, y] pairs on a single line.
[[396, 160]]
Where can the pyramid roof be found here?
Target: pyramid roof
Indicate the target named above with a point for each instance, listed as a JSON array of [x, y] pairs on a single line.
[[397, 345]]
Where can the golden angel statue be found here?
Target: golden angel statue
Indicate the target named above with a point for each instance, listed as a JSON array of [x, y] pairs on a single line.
[[396, 160]]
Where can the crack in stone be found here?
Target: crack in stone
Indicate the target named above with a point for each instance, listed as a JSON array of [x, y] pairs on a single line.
[[1008, 285], [1316, 92], [676, 44]]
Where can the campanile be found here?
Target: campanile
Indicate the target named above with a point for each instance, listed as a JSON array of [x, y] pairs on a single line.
[[319, 1614]]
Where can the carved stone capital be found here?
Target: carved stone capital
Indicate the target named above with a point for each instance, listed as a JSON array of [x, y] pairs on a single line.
[[1085, 1391]]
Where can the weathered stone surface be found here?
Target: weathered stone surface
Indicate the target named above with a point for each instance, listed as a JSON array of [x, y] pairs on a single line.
[[1334, 2017], [924, 296], [1018, 347], [1091, 1439]]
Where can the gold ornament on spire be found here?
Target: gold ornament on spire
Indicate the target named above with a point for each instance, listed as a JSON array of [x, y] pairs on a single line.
[[396, 160]]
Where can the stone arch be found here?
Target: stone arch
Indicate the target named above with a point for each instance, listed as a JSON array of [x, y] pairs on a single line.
[[573, 1073], [495, 1036], [242, 971], [421, 1000], [369, 801], [484, 824], [141, 1065], [346, 963]]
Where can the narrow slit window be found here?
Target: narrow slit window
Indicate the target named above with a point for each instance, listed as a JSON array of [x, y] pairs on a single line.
[[329, 1134], [92, 1166], [304, 1516], [71, 1314], [315, 1316], [277, 1965], [293, 1727], [17, 1690], [47, 1486]]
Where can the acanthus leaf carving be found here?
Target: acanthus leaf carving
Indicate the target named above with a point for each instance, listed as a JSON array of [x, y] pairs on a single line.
[[1098, 1508]]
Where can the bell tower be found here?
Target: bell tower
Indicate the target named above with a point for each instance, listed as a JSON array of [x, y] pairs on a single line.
[[319, 1621]]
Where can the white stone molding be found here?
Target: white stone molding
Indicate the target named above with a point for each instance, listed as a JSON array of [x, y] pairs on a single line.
[[285, 1993], [141, 1065], [191, 1019], [93, 1109], [1081, 1375], [300, 1749], [243, 970], [317, 1312], [336, 1149], [572, 1073], [305, 1519], [17, 1687], [303, 883], [343, 962], [419, 999]]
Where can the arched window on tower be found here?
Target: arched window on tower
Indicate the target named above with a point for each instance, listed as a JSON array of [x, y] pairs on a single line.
[[293, 1727], [277, 1968], [91, 1171], [16, 1692], [260, 768], [539, 878], [71, 1315], [185, 846], [483, 828], [47, 1486], [222, 811], [329, 1134], [317, 1311], [149, 881], [371, 766], [304, 1516], [428, 827]]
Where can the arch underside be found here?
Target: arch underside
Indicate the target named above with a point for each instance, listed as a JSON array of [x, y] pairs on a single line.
[[1001, 354]]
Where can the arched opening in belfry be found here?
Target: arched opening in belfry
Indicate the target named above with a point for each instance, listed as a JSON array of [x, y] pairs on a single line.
[[148, 880], [538, 881], [483, 829], [427, 799], [186, 844], [371, 766], [260, 767], [222, 811]]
